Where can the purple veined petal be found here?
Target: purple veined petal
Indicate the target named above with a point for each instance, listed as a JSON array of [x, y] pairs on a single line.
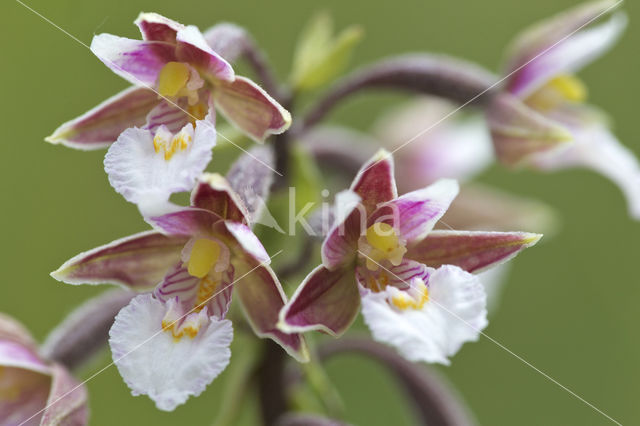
[[169, 114], [326, 300], [137, 61], [101, 126], [185, 222], [453, 312], [68, 401], [251, 109], [262, 298], [519, 132], [179, 284], [214, 193], [155, 27], [152, 362], [562, 44], [398, 276], [193, 49], [340, 246], [415, 214], [137, 262], [473, 251], [595, 147], [375, 182]]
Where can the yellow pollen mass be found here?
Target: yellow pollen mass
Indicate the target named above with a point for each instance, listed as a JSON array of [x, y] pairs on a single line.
[[386, 245], [204, 255], [205, 292], [172, 78], [569, 86], [179, 142], [197, 112], [404, 301], [382, 236]]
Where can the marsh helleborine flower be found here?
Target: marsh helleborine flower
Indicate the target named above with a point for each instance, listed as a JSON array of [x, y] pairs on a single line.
[[171, 343], [382, 252], [32, 390], [177, 79], [540, 119]]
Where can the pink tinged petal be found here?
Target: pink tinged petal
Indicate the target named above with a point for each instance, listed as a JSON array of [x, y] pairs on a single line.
[[244, 242], [172, 115], [454, 313], [415, 214], [214, 193], [155, 27], [15, 355], [457, 149], [137, 262], [597, 148], [193, 49], [137, 61], [185, 222], [68, 401], [374, 182], [397, 276], [228, 40], [340, 246], [101, 126], [23, 396], [472, 251], [563, 44], [251, 109], [153, 363], [140, 170], [262, 298], [326, 300], [178, 284], [11, 330], [519, 132]]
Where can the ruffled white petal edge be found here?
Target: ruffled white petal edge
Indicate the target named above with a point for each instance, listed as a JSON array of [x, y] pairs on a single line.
[[139, 169], [153, 363], [454, 314]]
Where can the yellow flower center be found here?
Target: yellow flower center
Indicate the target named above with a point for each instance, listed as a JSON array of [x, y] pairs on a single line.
[[206, 289], [179, 142], [385, 245], [172, 78], [562, 88], [204, 255], [414, 298]]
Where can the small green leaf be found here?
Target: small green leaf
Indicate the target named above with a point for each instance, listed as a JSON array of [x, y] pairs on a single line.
[[319, 56]]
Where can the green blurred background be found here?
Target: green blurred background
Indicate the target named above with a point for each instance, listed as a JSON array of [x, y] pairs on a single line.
[[570, 306]]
